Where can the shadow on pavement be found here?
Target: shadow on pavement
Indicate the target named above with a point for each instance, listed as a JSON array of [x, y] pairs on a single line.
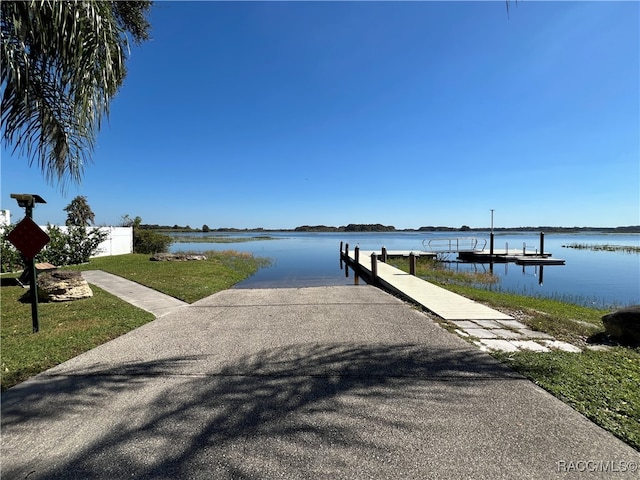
[[300, 411]]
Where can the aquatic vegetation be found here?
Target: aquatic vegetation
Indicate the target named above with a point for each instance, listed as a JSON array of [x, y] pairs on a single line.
[[218, 239], [439, 272], [603, 248]]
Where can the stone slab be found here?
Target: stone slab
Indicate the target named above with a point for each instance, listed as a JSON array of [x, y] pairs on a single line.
[[559, 345], [499, 345], [530, 345], [480, 333]]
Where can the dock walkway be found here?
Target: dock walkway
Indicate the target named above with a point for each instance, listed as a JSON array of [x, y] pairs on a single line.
[[445, 304]]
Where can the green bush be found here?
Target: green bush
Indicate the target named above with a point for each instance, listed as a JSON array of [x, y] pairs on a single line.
[[149, 241], [10, 258], [71, 247]]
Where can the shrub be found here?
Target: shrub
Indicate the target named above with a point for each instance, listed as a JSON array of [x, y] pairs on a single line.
[[71, 247], [148, 241], [10, 258]]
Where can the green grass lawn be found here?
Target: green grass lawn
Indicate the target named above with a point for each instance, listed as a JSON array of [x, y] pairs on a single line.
[[187, 281], [70, 328], [603, 385], [66, 330]]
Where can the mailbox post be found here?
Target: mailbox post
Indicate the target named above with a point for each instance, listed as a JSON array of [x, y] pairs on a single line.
[[29, 239]]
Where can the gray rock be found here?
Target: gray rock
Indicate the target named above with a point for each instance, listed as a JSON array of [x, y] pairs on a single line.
[[176, 257], [61, 286], [624, 325]]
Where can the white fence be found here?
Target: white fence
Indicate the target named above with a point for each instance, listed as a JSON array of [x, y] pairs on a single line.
[[119, 241]]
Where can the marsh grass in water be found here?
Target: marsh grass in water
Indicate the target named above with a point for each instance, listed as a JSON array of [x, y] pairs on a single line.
[[603, 248], [436, 271], [217, 239], [602, 384]]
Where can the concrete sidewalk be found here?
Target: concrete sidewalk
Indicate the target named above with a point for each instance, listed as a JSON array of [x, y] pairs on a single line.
[[322, 382], [142, 297]]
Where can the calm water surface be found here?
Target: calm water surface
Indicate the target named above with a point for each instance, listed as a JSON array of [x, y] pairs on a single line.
[[603, 279]]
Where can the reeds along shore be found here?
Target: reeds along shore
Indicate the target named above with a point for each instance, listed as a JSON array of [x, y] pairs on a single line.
[[605, 248]]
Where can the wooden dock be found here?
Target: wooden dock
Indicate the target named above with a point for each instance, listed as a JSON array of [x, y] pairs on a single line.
[[445, 304]]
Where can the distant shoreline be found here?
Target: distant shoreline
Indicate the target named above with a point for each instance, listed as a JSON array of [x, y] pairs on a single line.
[[351, 228]]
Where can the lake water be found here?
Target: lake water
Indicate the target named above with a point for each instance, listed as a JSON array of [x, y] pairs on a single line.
[[598, 278]]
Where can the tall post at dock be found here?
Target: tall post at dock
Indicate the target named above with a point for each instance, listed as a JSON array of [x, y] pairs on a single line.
[[491, 238], [542, 244], [356, 256], [374, 267], [346, 259]]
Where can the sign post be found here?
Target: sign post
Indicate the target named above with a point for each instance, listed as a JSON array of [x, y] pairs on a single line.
[[29, 239]]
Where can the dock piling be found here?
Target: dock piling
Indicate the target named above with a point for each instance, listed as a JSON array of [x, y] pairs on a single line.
[[412, 264], [384, 255], [374, 267], [491, 245]]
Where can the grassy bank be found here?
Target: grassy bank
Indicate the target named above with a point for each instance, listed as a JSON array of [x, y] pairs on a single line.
[[187, 281], [602, 384], [70, 328]]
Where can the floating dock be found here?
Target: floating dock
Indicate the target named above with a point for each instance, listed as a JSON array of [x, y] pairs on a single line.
[[482, 256], [442, 302], [504, 256], [474, 250]]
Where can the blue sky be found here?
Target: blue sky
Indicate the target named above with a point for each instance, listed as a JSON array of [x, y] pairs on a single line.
[[279, 114]]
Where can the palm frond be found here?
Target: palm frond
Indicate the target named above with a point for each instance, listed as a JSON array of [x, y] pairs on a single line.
[[62, 63]]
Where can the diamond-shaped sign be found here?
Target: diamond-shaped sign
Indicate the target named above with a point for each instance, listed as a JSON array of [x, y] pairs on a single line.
[[28, 237]]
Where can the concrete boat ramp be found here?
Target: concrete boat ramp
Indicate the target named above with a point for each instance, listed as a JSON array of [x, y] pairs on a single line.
[[334, 382]]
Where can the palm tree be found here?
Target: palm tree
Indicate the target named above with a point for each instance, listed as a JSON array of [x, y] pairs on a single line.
[[62, 63], [79, 213]]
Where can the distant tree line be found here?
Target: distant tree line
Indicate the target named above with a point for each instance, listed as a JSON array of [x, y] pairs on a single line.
[[377, 227], [178, 228], [352, 227]]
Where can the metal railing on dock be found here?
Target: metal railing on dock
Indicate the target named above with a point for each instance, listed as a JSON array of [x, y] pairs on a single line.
[[454, 245]]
